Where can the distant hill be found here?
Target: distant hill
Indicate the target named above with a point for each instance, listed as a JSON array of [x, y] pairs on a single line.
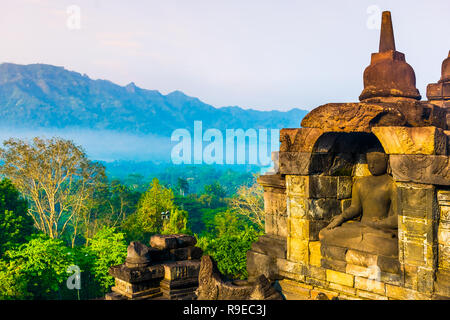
[[46, 96]]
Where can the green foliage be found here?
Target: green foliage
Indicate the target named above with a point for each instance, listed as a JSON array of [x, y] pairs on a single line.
[[13, 283], [182, 186], [215, 190], [55, 176], [15, 223], [111, 204], [177, 223], [148, 219], [37, 269], [228, 241], [108, 248]]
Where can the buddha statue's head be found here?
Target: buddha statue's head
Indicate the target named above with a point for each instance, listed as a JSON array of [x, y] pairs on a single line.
[[377, 162]]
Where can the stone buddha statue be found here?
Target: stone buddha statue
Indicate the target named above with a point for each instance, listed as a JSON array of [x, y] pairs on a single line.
[[374, 202]]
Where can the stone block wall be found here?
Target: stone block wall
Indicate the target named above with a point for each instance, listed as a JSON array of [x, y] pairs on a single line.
[[442, 282], [261, 259], [417, 229], [318, 184], [311, 203]]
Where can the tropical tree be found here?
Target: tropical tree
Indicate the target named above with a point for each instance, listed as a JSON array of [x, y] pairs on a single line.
[[228, 242], [37, 269], [15, 224], [108, 248], [182, 186], [156, 213], [177, 223], [249, 202], [56, 177], [111, 203]]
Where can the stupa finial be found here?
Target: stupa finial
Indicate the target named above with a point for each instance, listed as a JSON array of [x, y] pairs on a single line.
[[388, 76], [387, 41]]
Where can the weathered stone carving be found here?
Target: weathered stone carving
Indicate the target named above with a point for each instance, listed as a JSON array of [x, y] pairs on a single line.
[[213, 287], [167, 270], [138, 255]]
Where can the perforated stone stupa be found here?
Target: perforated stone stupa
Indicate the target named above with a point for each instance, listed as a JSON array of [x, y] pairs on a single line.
[[359, 207]]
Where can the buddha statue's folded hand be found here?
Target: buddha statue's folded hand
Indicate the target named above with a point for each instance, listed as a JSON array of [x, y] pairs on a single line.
[[335, 222]]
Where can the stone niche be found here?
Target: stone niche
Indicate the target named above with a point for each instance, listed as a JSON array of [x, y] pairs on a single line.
[[318, 166]]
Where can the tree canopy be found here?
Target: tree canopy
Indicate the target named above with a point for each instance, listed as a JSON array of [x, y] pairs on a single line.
[[56, 177]]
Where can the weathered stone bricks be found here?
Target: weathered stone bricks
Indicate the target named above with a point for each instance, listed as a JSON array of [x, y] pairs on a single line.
[[361, 258], [313, 209], [340, 288], [290, 266], [344, 187], [389, 264], [370, 285], [340, 278], [370, 295], [319, 187], [329, 294], [332, 264], [333, 252], [259, 263], [400, 293], [417, 200], [445, 214], [444, 257], [443, 197], [323, 187], [315, 272], [360, 271], [444, 234], [299, 228], [297, 207], [276, 224], [294, 288], [298, 250], [314, 253], [442, 284]]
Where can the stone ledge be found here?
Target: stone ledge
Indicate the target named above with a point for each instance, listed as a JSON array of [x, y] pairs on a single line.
[[412, 140], [401, 293], [425, 169], [370, 285], [341, 278], [272, 180], [352, 117], [341, 288], [370, 295], [133, 275]]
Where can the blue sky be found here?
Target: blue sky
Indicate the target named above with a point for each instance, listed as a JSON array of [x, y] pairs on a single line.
[[261, 54]]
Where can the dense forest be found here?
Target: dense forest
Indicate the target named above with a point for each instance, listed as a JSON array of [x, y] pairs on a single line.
[[61, 213]]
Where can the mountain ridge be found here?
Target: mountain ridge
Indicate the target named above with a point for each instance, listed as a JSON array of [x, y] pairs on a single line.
[[48, 96]]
